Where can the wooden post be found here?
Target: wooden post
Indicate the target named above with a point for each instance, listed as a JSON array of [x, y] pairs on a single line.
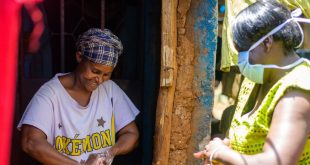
[[167, 83]]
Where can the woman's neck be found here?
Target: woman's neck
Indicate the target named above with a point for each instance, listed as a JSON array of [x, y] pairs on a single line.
[[76, 84], [276, 74], [73, 86]]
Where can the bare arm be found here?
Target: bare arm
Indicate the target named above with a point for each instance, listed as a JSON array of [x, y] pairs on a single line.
[[290, 128], [285, 141], [35, 144], [127, 139]]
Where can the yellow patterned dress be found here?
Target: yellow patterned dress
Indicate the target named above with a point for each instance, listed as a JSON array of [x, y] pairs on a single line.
[[248, 134]]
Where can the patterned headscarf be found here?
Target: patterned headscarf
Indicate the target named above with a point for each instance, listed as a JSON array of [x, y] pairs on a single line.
[[100, 46]]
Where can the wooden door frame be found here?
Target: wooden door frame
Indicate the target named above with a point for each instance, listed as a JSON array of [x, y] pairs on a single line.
[[168, 73]]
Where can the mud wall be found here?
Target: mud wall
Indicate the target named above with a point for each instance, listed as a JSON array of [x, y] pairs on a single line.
[[193, 99], [184, 101]]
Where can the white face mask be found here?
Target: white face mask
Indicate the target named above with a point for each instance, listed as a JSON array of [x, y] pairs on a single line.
[[255, 72]]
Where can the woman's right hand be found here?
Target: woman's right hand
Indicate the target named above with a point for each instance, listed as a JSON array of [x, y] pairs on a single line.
[[213, 145]]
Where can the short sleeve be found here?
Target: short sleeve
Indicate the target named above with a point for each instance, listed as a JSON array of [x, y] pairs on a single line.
[[39, 112], [124, 110]]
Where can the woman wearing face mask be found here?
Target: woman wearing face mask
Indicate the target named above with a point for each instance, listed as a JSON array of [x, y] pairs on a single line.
[[271, 124]]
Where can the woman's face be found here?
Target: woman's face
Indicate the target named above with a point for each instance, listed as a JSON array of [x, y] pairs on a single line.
[[91, 74], [258, 55]]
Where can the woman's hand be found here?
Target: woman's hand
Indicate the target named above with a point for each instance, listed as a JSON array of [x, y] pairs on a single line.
[[93, 159], [203, 155], [106, 157], [211, 149]]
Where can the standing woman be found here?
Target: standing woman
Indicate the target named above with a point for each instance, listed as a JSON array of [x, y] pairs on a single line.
[[271, 124]]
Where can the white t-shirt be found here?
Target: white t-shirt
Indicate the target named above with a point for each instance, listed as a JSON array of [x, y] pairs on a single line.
[[74, 130]]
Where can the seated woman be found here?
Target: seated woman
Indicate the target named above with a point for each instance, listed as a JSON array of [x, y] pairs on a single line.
[[271, 124]]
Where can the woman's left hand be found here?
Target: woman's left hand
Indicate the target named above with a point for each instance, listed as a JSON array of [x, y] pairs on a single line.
[[106, 157]]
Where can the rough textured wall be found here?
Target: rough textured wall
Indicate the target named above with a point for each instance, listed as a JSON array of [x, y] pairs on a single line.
[[193, 99], [184, 100]]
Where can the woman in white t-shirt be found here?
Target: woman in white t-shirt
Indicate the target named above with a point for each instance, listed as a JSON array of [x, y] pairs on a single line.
[[74, 117]]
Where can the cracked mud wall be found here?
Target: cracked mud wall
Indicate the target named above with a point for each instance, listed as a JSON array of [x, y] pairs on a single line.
[[184, 99], [193, 99]]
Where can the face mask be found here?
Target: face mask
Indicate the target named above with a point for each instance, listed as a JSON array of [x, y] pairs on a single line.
[[255, 72]]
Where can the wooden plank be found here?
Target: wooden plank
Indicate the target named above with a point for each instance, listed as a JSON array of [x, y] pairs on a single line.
[[167, 83]]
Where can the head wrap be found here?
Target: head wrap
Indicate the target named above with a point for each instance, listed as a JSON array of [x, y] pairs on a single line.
[[100, 46]]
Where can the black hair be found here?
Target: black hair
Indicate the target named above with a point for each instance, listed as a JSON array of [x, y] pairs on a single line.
[[260, 18]]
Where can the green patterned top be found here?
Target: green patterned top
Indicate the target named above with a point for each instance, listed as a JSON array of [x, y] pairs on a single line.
[[248, 134]]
